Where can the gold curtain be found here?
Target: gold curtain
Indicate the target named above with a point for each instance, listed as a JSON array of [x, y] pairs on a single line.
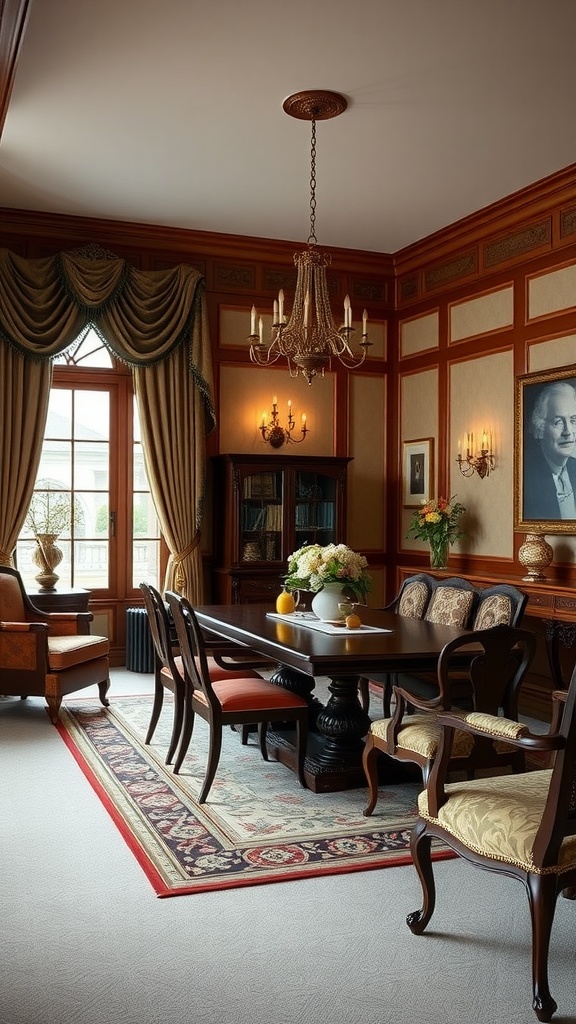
[[24, 391], [155, 321]]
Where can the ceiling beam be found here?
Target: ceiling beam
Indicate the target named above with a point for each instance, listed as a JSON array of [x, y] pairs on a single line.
[[13, 19]]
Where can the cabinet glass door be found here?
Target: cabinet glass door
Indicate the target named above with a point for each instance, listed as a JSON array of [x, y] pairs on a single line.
[[315, 517], [261, 517]]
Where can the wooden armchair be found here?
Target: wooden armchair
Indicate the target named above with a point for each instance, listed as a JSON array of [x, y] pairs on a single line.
[[47, 654], [498, 661], [523, 826]]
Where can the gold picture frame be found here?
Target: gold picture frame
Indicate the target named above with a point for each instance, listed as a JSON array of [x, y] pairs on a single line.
[[417, 471], [544, 502]]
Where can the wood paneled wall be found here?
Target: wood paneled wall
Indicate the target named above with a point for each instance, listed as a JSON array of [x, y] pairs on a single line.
[[455, 318]]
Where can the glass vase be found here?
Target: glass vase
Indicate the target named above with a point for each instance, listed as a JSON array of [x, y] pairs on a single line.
[[439, 548]]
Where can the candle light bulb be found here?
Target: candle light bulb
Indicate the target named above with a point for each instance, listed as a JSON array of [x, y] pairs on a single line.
[[253, 320]]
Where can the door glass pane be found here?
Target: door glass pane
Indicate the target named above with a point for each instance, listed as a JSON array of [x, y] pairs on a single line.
[[261, 517], [315, 514]]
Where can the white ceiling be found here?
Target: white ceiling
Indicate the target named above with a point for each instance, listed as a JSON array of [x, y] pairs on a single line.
[[170, 112]]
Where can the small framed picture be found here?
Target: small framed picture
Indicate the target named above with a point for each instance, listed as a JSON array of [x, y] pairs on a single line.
[[417, 471]]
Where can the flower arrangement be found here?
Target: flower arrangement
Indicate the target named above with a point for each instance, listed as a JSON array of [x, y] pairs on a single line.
[[436, 521], [313, 565]]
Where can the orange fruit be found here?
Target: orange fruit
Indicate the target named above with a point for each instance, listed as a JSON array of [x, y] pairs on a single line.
[[353, 621]]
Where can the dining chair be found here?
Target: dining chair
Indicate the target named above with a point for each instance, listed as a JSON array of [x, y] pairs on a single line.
[[499, 605], [411, 601], [228, 701], [168, 670], [498, 660], [47, 654], [522, 826], [449, 602]]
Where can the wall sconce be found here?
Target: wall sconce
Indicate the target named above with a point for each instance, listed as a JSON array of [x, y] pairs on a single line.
[[481, 463], [274, 434]]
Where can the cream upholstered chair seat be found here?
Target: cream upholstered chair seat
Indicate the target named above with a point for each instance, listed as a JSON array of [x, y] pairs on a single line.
[[421, 734], [499, 818]]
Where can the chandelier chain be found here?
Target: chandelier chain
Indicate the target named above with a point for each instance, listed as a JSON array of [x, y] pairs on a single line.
[[312, 240]]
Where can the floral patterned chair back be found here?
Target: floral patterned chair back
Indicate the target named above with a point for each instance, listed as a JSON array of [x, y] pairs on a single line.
[[452, 603]]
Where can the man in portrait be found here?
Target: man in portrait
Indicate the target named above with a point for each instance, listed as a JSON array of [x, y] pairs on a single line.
[[549, 470]]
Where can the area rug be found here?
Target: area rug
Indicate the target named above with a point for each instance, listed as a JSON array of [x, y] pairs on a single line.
[[258, 824]]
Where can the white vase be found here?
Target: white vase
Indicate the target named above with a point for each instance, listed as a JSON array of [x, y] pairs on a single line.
[[325, 602]]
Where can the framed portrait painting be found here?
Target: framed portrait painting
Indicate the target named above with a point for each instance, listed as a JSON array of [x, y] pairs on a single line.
[[417, 470], [545, 452]]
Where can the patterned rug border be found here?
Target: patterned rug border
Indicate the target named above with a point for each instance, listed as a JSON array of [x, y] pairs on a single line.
[[379, 848]]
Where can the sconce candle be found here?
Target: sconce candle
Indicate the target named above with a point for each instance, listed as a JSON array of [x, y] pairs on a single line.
[[482, 463]]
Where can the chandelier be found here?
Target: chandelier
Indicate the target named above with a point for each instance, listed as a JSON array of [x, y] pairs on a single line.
[[309, 339]]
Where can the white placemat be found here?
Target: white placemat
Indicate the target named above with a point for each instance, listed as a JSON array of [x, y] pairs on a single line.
[[309, 621]]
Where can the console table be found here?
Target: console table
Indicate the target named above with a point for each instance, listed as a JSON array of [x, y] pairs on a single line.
[[61, 599], [551, 614]]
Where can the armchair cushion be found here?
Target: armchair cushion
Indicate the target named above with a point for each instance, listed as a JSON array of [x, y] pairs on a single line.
[[499, 818], [66, 651]]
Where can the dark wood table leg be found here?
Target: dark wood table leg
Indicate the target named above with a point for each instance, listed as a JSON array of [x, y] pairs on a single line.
[[343, 724], [334, 752]]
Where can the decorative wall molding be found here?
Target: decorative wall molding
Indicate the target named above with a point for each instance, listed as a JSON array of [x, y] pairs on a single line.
[[534, 237], [462, 266]]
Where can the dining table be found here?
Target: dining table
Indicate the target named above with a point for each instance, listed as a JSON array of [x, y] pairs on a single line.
[[301, 649]]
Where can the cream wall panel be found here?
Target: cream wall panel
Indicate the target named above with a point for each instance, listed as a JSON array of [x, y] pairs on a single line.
[[486, 313], [481, 398], [367, 472], [548, 355], [418, 418], [549, 293], [234, 326], [419, 334], [246, 393]]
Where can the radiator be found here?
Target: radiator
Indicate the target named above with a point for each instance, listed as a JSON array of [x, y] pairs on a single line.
[[139, 649]]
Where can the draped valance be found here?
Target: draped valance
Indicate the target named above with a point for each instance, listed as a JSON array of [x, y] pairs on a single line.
[[142, 316], [154, 321]]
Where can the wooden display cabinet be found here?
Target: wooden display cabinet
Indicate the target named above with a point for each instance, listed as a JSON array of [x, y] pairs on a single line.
[[267, 507]]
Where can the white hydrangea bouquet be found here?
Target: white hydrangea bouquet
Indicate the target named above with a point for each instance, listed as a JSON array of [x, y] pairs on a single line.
[[313, 565]]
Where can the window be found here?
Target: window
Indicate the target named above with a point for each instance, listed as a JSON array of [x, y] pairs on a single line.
[[92, 465]]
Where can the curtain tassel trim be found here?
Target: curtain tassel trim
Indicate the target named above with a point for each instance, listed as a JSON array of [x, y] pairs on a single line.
[[179, 557]]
